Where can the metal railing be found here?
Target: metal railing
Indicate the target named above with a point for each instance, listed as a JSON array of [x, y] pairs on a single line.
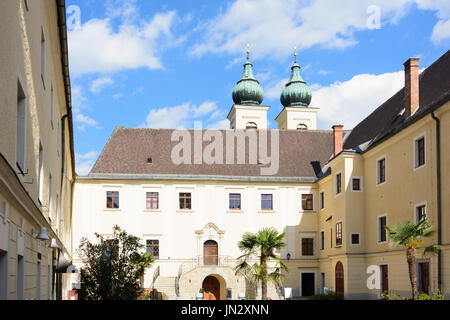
[[155, 275]]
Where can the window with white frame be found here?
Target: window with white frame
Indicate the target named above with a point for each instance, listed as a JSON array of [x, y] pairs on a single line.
[[382, 233], [52, 106], [322, 200], [50, 191], [21, 127], [41, 173], [43, 61], [419, 152], [355, 238], [338, 234], [307, 202], [307, 246], [338, 181], [356, 184], [322, 240], [420, 211], [381, 170]]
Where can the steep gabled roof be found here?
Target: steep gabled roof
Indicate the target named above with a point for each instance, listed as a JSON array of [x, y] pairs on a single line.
[[388, 119], [301, 154]]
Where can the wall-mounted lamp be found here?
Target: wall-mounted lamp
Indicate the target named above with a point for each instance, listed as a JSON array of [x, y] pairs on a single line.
[[42, 234], [53, 244]]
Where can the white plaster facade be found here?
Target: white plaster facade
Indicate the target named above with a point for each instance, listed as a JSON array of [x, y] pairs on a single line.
[[182, 233]]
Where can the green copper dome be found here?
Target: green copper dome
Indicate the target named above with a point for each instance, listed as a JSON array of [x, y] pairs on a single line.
[[248, 91], [296, 93]]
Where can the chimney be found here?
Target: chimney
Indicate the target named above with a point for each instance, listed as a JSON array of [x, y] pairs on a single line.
[[337, 138], [411, 86]]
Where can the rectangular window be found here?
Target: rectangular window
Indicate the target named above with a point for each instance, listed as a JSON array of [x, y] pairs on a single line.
[[235, 201], [420, 152], [152, 200], [266, 202], [339, 234], [322, 200], [153, 248], [322, 240], [307, 246], [185, 201], [52, 107], [356, 184], [41, 173], [20, 276], [338, 183], [56, 212], [421, 212], [43, 55], [381, 230], [355, 238], [21, 127], [3, 275], [50, 191], [112, 199], [381, 170], [307, 201]]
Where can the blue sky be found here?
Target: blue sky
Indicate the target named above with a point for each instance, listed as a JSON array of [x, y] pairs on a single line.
[[164, 64]]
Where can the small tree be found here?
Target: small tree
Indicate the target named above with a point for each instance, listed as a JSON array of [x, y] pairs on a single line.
[[112, 267], [411, 236], [263, 247]]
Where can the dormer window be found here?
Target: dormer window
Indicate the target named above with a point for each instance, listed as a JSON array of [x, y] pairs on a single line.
[[251, 125]]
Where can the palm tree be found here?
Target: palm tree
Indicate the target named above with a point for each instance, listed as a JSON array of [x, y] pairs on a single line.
[[259, 249], [412, 236]]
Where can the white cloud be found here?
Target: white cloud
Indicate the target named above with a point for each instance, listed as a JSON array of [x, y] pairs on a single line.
[[351, 101], [181, 116], [117, 96], [97, 47], [100, 83], [85, 162], [274, 89], [220, 125], [81, 118], [441, 30], [78, 98], [273, 27]]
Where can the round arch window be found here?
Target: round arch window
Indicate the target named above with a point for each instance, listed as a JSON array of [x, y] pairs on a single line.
[[251, 125], [302, 126]]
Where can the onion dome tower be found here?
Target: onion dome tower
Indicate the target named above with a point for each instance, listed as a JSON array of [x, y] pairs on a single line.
[[248, 91], [247, 112], [296, 93], [296, 98]]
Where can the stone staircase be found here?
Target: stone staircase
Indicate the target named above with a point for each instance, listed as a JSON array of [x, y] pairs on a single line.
[[167, 286]]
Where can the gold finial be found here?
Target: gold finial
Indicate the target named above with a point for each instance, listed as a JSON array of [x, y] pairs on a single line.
[[295, 53]]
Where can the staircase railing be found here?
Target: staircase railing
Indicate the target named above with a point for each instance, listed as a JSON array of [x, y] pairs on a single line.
[[156, 274]]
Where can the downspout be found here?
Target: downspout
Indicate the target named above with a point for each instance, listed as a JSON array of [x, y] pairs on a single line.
[[439, 195]]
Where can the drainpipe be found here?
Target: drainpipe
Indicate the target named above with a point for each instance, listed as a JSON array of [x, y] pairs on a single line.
[[439, 195]]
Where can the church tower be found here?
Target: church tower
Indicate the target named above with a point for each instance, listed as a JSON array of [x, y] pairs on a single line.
[[296, 97], [247, 111]]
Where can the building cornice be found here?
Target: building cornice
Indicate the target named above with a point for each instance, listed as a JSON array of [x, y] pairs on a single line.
[[196, 178]]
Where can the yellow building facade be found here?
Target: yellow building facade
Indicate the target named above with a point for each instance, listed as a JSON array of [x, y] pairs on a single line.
[[36, 150], [332, 195]]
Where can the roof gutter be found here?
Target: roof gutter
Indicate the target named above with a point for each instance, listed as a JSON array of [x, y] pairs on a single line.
[[61, 10], [439, 194]]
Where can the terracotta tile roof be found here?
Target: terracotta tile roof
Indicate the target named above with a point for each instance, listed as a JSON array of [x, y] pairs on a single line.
[[387, 119], [301, 154]]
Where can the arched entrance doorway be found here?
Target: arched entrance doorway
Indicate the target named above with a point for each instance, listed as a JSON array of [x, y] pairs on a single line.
[[211, 288], [339, 279], [210, 253]]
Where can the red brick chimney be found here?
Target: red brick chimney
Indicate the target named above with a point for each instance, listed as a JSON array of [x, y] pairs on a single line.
[[337, 138], [411, 86]]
